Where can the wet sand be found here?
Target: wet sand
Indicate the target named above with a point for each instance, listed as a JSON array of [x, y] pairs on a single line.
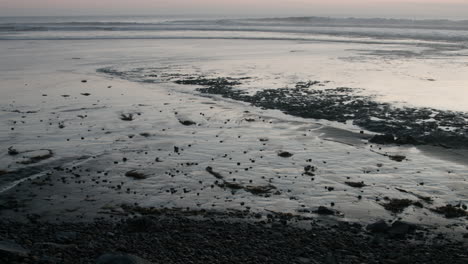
[[86, 147]]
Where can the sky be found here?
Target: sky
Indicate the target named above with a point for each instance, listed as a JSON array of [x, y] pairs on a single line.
[[361, 8]]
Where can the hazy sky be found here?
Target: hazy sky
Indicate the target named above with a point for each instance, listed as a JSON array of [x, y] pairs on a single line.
[[397, 8]]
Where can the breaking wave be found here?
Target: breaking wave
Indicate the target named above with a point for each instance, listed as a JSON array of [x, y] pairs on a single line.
[[290, 28]]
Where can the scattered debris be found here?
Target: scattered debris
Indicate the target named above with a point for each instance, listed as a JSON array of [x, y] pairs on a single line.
[[309, 170]]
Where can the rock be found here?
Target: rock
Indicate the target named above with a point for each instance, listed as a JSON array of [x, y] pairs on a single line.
[[397, 205], [403, 140], [110, 258], [356, 184], [12, 151], [285, 154], [135, 174], [10, 247], [36, 156], [450, 211], [383, 139], [398, 158], [258, 190], [127, 117], [187, 122], [401, 229], [322, 210], [378, 227]]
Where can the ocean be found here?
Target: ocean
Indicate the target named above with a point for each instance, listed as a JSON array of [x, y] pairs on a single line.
[[439, 42]]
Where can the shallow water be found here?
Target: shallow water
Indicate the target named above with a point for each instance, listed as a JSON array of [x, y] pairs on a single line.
[[93, 137]]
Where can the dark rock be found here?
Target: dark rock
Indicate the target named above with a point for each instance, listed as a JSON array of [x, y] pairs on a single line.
[[12, 151], [285, 154], [383, 139], [322, 210], [356, 184], [378, 227], [38, 158], [126, 117], [187, 122], [404, 140], [451, 211], [231, 185], [400, 229], [135, 174], [258, 190], [397, 205], [398, 158]]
